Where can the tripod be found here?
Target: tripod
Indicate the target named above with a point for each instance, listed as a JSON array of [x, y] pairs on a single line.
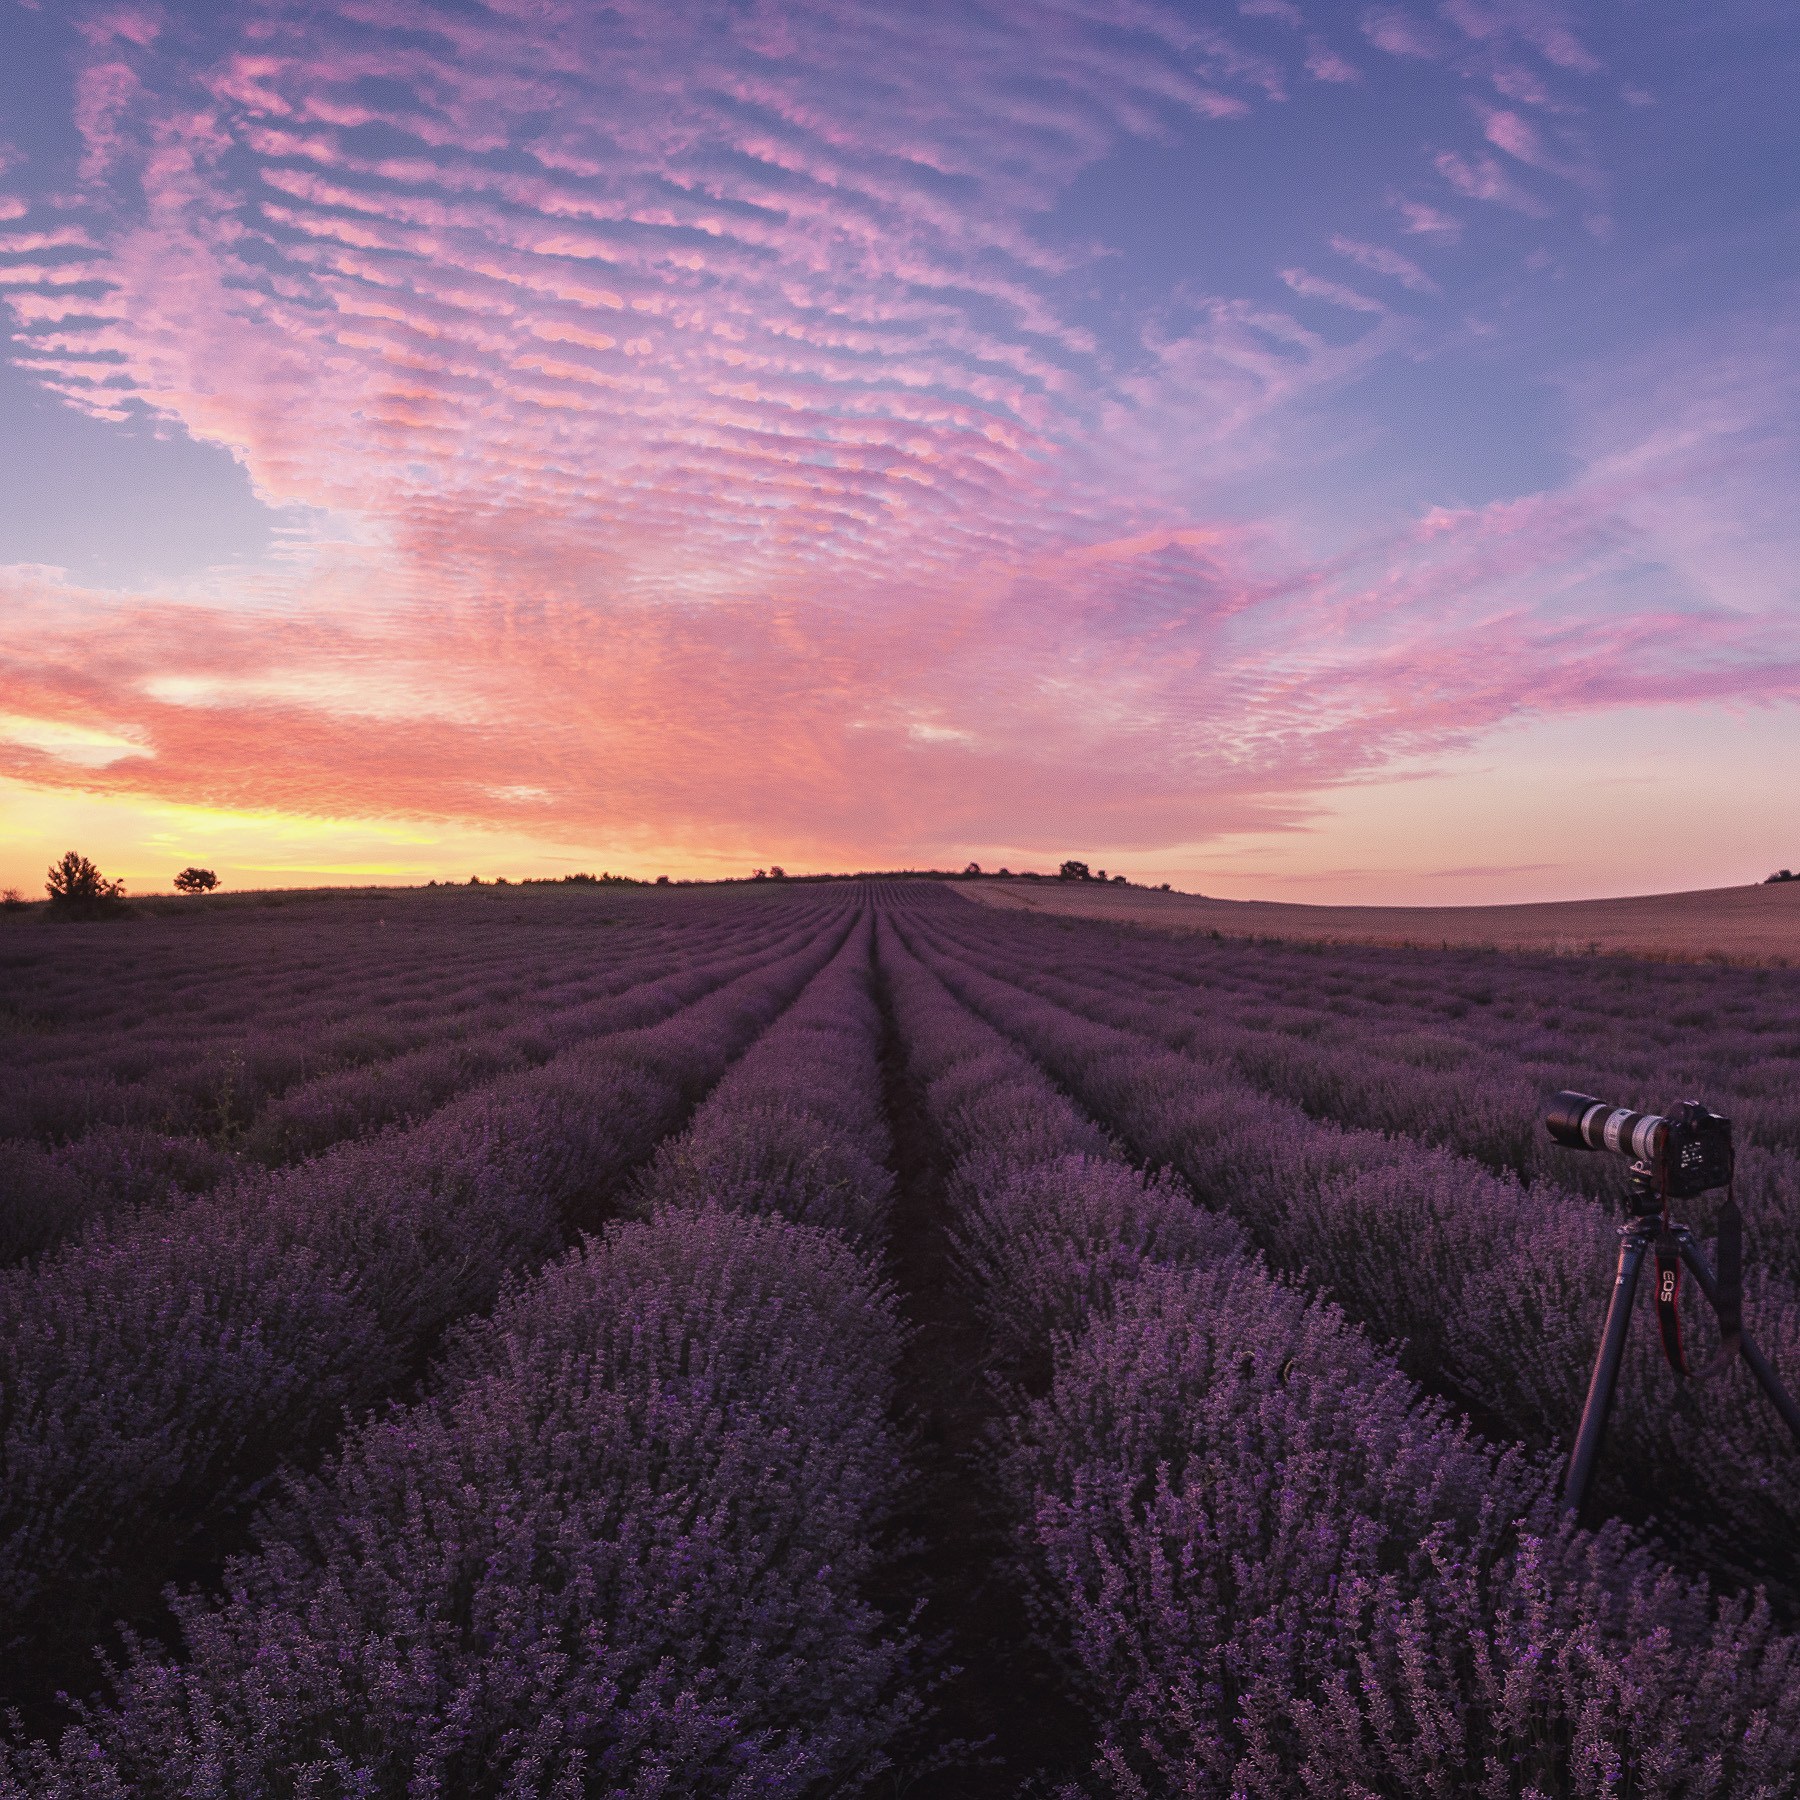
[[1637, 1238]]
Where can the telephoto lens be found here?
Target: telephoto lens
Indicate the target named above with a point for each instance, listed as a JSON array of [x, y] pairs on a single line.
[[1586, 1122], [1688, 1152]]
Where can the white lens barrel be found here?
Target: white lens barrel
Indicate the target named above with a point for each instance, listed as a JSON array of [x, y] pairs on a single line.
[[1622, 1131]]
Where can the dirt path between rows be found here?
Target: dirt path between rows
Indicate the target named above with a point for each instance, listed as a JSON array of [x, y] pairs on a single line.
[[1006, 1703]]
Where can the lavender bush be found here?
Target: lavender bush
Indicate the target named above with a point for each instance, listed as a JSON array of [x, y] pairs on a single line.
[[1283, 1570], [1046, 1246], [1497, 1290], [620, 1551], [797, 1126], [153, 1372], [239, 1103], [1274, 1566], [47, 1194]]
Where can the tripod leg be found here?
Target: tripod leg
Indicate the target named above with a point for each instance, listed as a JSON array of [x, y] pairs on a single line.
[[1633, 1242], [1758, 1364]]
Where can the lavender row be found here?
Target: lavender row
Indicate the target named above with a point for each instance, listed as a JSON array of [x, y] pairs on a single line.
[[115, 990], [308, 1119], [1496, 1290], [341, 1008], [1483, 1106], [184, 1077], [231, 963], [1642, 1019], [153, 1374], [1390, 1080], [1051, 1220], [1643, 1033], [797, 1127], [1493, 1116], [620, 1550], [47, 1194], [1272, 1564]]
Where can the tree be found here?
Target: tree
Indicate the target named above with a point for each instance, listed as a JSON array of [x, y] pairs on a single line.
[[74, 881], [974, 868], [1074, 871], [196, 881], [777, 872]]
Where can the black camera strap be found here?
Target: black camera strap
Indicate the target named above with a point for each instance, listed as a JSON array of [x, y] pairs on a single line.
[[1730, 1302]]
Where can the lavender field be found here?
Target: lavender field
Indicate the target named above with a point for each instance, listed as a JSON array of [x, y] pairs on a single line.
[[816, 1339]]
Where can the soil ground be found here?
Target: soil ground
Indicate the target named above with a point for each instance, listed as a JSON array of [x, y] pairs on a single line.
[[1012, 1728], [1739, 925]]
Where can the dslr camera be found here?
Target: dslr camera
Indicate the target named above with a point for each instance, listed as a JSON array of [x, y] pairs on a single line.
[[1684, 1153]]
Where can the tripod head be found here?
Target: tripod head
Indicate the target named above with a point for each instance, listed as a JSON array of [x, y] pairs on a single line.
[[1643, 1195]]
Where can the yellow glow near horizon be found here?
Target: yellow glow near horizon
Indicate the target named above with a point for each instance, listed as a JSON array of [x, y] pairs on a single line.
[[1542, 810], [147, 842]]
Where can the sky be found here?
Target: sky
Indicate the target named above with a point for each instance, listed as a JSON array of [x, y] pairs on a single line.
[[1338, 453]]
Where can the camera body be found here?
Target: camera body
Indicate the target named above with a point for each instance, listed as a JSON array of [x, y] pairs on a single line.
[[1685, 1153]]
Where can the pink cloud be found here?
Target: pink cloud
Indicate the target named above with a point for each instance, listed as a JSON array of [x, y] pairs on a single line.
[[1401, 33], [1324, 64], [1484, 179], [1284, 12], [1427, 221], [1523, 85], [1316, 287], [1383, 261], [1539, 23], [1524, 141], [139, 25]]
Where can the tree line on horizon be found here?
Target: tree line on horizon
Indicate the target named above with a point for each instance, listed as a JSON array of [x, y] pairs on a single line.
[[76, 887]]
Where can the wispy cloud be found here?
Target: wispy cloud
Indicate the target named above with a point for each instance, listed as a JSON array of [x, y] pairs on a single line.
[[1423, 220], [1402, 33], [1324, 64], [1541, 24], [1521, 139], [1316, 287], [77, 742], [1382, 261], [1481, 178]]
